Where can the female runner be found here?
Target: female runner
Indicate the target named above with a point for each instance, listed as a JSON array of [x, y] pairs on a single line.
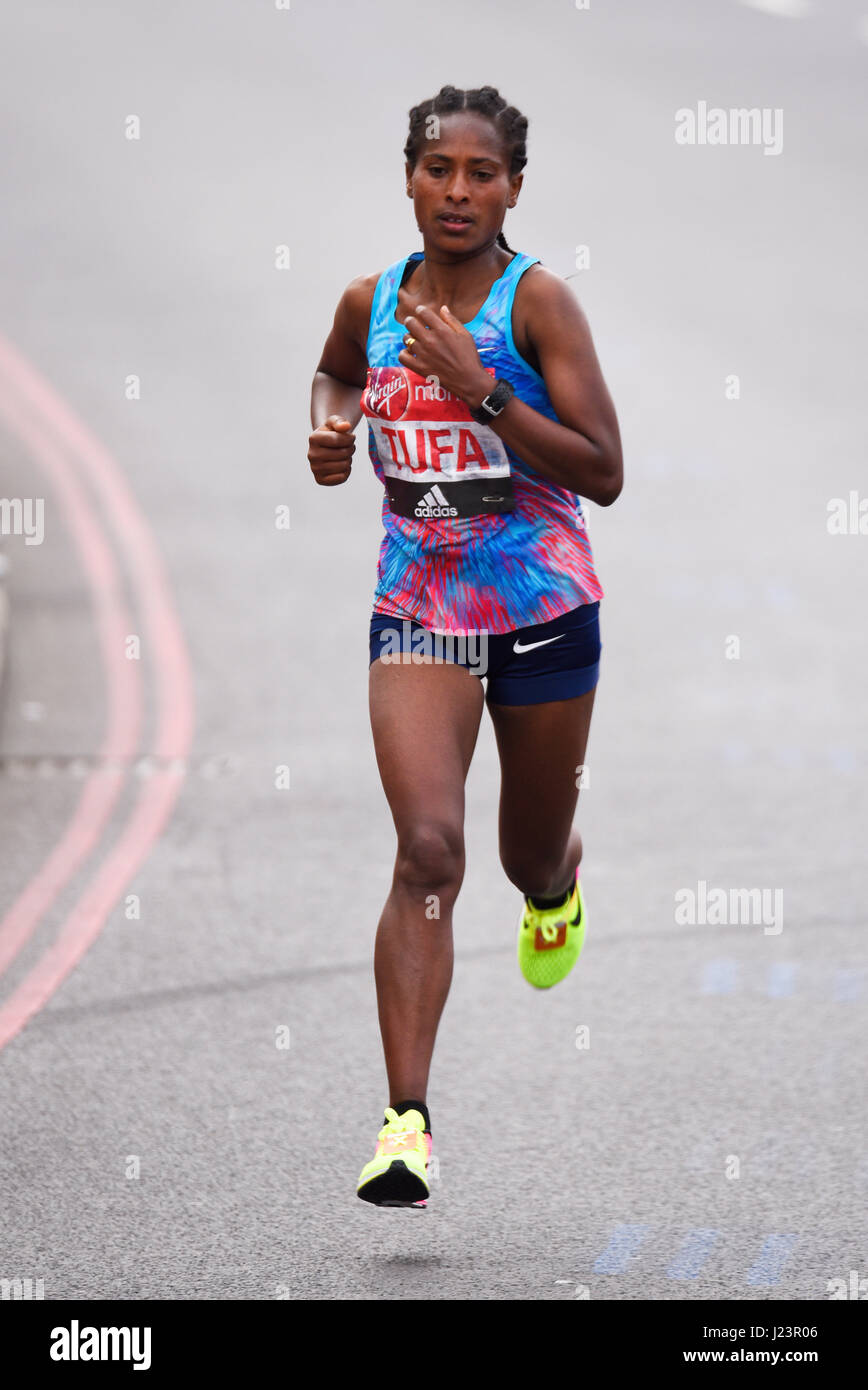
[[488, 419]]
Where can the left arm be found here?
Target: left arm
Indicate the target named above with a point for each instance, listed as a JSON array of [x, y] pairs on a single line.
[[581, 450]]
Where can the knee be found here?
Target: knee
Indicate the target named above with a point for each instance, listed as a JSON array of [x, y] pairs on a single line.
[[431, 860]]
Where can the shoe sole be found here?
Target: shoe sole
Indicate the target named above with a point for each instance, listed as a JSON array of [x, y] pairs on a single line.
[[397, 1187]]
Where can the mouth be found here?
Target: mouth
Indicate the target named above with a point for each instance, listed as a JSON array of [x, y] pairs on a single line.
[[454, 219]]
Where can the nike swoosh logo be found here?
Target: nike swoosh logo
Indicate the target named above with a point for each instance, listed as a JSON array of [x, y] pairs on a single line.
[[517, 647]]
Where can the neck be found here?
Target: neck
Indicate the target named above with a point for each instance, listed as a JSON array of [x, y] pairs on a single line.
[[449, 279]]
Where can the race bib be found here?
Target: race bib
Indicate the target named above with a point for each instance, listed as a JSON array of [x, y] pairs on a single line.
[[437, 461]]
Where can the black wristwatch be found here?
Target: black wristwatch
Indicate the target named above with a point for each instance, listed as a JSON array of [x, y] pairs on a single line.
[[494, 402]]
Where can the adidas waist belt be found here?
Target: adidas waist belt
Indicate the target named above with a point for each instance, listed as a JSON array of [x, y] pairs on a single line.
[[470, 497]]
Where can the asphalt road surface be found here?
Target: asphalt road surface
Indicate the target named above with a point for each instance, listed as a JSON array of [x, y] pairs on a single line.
[[195, 845]]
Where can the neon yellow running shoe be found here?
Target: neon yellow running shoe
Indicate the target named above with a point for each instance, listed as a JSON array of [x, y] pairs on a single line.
[[397, 1174], [550, 940]]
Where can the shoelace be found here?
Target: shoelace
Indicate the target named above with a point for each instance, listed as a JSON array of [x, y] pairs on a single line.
[[396, 1125], [548, 921]]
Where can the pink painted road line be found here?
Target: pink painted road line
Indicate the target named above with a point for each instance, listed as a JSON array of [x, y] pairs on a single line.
[[122, 680], [164, 645]]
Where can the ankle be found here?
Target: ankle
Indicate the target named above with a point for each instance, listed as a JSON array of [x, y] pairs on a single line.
[[549, 901], [401, 1106]]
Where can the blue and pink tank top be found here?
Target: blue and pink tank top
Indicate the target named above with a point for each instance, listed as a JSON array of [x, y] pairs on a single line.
[[452, 572]]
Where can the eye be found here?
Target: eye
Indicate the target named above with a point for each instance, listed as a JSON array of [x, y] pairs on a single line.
[[484, 174]]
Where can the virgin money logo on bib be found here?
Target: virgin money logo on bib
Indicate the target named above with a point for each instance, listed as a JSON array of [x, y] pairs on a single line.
[[388, 392]]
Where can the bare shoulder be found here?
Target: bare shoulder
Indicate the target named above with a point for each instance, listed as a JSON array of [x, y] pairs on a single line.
[[362, 287], [544, 301], [541, 291], [345, 352], [547, 317], [354, 309]]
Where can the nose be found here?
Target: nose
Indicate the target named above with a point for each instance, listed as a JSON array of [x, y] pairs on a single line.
[[457, 191]]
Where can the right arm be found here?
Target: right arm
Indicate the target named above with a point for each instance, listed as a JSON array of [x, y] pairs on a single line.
[[335, 407]]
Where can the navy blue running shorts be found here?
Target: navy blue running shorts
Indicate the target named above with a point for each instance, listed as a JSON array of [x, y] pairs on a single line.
[[555, 660]]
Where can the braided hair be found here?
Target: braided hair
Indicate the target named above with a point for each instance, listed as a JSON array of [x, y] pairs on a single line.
[[486, 101]]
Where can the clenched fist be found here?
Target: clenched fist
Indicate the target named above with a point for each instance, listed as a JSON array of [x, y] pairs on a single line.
[[330, 451]]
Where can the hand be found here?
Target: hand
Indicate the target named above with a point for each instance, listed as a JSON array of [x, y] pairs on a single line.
[[330, 451], [444, 349]]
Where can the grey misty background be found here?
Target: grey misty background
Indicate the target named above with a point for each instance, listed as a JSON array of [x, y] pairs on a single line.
[[263, 128]]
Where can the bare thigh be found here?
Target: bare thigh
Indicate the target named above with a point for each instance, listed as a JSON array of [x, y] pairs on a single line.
[[425, 720]]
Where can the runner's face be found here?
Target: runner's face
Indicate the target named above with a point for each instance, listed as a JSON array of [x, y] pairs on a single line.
[[463, 172]]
